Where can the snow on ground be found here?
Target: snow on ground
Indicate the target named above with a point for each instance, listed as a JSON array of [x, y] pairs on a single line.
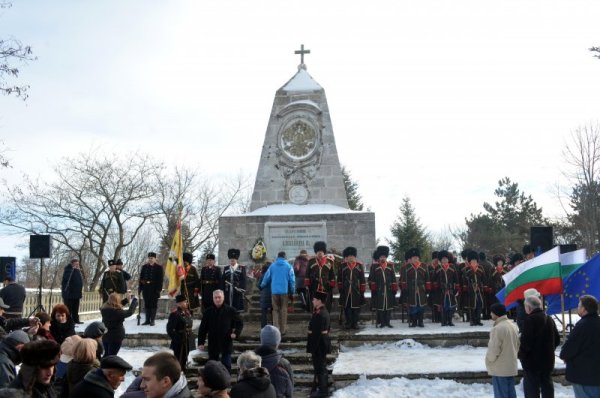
[[423, 388], [131, 326], [410, 357], [400, 328], [135, 357]]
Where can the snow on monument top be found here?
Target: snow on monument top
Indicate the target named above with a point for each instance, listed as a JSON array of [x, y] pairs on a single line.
[[302, 81]]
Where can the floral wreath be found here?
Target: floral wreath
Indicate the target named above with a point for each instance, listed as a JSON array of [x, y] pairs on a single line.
[[258, 252]]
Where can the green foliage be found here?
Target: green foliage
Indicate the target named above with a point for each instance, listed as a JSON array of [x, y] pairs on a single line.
[[504, 226], [354, 198], [407, 232]]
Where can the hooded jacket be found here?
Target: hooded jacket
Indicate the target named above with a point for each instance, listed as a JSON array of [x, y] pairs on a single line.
[[281, 277], [9, 358], [280, 371], [253, 383]]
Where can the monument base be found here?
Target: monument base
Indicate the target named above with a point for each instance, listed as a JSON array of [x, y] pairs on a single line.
[[290, 228]]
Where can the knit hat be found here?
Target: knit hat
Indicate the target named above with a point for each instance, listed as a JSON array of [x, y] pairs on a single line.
[[215, 375], [270, 336], [18, 337], [68, 347], [498, 308], [95, 330], [40, 353]]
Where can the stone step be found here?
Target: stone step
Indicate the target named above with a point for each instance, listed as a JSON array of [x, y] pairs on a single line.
[[300, 359]]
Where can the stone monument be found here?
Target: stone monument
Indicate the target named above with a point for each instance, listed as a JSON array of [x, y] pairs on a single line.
[[299, 195]]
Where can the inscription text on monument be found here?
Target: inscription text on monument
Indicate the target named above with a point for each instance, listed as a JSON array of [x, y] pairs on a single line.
[[292, 237]]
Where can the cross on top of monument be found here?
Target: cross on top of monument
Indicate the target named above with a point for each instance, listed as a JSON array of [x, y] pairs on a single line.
[[302, 51]]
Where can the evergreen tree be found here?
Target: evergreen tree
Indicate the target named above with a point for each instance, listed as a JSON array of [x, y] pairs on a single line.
[[407, 232], [354, 198], [504, 226]]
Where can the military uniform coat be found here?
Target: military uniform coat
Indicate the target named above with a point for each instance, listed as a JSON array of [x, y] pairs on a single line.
[[447, 279], [352, 285], [190, 287], [151, 282], [233, 284], [318, 342], [415, 283], [496, 281], [435, 295], [320, 277], [112, 282], [179, 329], [210, 278], [383, 288], [474, 284]]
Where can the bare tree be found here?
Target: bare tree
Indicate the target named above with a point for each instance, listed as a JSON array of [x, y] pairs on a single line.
[[582, 154], [96, 206], [201, 202]]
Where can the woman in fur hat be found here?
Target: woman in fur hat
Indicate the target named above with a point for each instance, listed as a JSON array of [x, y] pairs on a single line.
[[35, 375]]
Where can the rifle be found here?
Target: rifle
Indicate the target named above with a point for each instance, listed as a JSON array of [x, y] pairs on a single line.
[[139, 314]]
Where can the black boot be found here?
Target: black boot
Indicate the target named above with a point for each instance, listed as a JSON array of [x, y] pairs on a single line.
[[148, 316], [444, 318], [420, 320], [152, 316], [412, 321]]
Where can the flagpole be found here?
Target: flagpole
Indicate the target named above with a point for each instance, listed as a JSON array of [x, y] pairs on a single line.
[[562, 312]]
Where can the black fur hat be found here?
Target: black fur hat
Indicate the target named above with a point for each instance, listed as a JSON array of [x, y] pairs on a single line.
[[414, 252], [434, 255], [498, 257], [443, 253], [472, 255], [41, 353], [320, 246], [152, 254], [349, 251], [382, 251], [233, 253], [210, 256], [111, 262], [527, 250], [516, 257], [188, 258]]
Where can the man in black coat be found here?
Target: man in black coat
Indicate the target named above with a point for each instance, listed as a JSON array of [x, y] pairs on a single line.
[[72, 287], [179, 329], [210, 278], [8, 325], [582, 350], [318, 343], [151, 282], [539, 339], [102, 383], [221, 324], [13, 295]]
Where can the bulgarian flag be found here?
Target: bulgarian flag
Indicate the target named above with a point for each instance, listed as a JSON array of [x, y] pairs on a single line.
[[542, 273], [174, 269]]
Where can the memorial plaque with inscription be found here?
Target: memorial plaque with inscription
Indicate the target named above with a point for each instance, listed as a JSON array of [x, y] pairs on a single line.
[[291, 237]]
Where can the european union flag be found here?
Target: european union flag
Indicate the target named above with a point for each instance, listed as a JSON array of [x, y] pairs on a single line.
[[584, 280]]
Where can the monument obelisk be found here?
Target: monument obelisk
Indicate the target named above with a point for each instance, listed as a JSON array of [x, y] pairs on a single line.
[[299, 195]]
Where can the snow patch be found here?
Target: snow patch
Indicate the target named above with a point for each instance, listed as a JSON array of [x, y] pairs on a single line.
[[292, 209], [302, 81]]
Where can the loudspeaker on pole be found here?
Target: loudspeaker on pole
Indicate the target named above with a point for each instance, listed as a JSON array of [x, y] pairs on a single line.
[[8, 267], [40, 246], [541, 239]]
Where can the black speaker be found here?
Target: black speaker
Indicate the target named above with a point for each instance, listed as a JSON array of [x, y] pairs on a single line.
[[39, 246], [8, 267], [571, 247], [541, 239]]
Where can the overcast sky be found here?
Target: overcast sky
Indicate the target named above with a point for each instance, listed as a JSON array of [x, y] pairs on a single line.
[[437, 100]]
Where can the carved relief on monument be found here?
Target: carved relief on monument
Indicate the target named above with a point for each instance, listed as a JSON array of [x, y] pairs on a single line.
[[299, 149]]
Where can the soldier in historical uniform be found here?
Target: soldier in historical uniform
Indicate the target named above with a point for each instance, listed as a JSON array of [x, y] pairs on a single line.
[[434, 298], [151, 282], [416, 284], [496, 283], [352, 285], [320, 276], [318, 343], [474, 285], [126, 275], [462, 299], [179, 329], [233, 282], [112, 281], [447, 279], [190, 285], [210, 278], [488, 298], [383, 285]]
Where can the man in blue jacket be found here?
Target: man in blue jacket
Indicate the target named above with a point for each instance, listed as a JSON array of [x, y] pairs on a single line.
[[280, 276], [71, 288]]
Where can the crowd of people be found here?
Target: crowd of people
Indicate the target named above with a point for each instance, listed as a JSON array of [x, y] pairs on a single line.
[[56, 362]]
